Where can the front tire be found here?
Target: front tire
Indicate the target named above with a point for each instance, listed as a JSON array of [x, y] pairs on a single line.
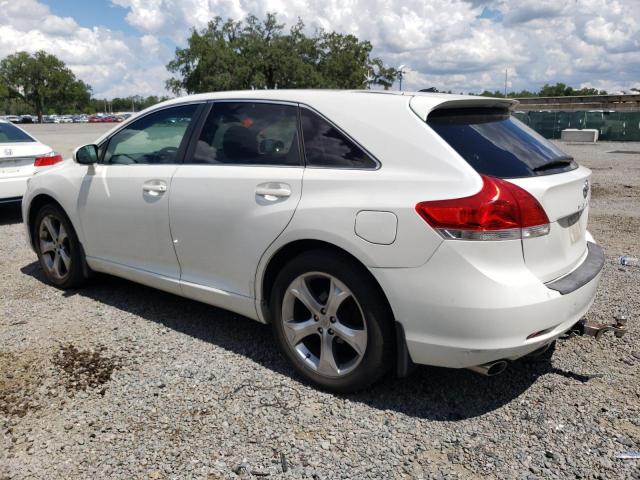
[[331, 320], [58, 248]]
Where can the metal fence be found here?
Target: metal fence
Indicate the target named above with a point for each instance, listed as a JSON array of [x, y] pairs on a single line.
[[613, 126]]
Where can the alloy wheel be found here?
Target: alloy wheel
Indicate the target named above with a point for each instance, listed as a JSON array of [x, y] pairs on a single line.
[[323, 324], [55, 247]]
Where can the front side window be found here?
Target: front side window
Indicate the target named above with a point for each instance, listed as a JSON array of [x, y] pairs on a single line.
[[247, 133], [326, 146], [153, 139], [11, 134]]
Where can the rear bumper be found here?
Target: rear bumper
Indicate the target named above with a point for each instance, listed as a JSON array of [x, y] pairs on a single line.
[[582, 275], [12, 188], [465, 307]]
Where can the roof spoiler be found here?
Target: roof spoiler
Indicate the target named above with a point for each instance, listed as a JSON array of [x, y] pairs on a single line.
[[422, 106]]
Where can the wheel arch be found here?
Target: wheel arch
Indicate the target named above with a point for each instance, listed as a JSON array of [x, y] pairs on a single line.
[[281, 257], [35, 205], [290, 250], [37, 202]]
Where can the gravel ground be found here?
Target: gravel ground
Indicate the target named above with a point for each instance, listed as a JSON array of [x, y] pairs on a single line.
[[120, 381]]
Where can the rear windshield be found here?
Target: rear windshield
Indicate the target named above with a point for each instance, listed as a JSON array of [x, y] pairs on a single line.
[[497, 144], [11, 134]]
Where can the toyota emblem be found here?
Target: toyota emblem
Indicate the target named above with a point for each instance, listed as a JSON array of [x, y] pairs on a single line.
[[585, 189], [8, 152]]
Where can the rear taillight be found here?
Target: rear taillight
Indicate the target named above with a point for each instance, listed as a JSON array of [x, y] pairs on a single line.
[[500, 211], [47, 160]]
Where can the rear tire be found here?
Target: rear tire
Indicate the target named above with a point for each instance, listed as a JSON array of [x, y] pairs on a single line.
[[332, 321], [59, 251]]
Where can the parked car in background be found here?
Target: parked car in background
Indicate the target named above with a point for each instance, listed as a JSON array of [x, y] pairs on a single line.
[[66, 119], [12, 118], [371, 229], [20, 156]]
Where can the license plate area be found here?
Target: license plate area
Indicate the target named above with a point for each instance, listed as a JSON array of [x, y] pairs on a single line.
[[14, 165]]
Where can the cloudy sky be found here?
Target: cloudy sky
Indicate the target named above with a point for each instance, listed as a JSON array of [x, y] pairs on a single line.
[[120, 47]]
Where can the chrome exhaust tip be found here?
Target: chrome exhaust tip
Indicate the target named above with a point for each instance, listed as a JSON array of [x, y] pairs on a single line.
[[490, 369]]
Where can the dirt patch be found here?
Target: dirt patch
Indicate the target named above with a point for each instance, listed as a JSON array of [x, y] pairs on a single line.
[[21, 375], [85, 368], [618, 234], [616, 190]]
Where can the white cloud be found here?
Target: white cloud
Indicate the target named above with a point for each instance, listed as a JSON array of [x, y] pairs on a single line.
[[110, 62], [462, 45], [444, 42]]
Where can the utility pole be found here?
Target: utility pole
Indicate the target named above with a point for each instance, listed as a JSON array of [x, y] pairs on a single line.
[[401, 75], [505, 82]]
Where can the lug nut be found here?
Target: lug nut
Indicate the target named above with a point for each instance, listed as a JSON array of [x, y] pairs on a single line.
[[319, 329], [323, 311], [330, 331], [332, 319], [315, 317]]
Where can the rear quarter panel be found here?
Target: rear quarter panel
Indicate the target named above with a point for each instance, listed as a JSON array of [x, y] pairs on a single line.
[[414, 166]]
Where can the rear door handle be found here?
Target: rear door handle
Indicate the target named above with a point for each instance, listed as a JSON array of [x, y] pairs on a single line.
[[273, 191], [154, 188]]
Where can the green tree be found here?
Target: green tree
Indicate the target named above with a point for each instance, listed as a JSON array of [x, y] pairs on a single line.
[[557, 90], [230, 55], [123, 104], [562, 90], [43, 82]]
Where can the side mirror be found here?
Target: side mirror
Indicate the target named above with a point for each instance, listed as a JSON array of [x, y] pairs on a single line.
[[86, 155]]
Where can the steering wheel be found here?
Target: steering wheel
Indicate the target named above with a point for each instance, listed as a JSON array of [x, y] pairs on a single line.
[[166, 154]]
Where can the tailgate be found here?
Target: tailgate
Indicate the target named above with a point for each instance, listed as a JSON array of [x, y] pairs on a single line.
[[565, 198]]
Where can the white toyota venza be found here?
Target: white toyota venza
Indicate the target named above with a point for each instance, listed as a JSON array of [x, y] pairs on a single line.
[[372, 230], [20, 156]]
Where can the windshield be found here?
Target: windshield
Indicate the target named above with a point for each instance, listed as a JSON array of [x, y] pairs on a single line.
[[497, 144], [11, 134]]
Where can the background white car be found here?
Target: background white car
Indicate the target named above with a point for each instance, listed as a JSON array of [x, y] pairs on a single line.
[[370, 229], [20, 156]]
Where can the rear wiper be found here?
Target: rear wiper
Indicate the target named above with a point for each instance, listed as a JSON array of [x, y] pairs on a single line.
[[560, 162]]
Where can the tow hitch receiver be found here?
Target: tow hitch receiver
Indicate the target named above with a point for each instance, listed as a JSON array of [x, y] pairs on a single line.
[[596, 330]]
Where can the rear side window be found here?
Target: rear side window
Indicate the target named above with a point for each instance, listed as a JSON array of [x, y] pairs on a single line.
[[11, 134], [325, 146], [247, 133], [497, 144]]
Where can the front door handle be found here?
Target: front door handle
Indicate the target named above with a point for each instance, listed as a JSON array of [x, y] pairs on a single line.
[[154, 188], [273, 191]]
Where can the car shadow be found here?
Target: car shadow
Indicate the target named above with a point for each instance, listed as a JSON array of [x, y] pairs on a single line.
[[433, 393], [10, 213]]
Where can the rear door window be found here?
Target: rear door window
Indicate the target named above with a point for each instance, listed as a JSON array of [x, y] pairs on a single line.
[[495, 143], [11, 134]]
